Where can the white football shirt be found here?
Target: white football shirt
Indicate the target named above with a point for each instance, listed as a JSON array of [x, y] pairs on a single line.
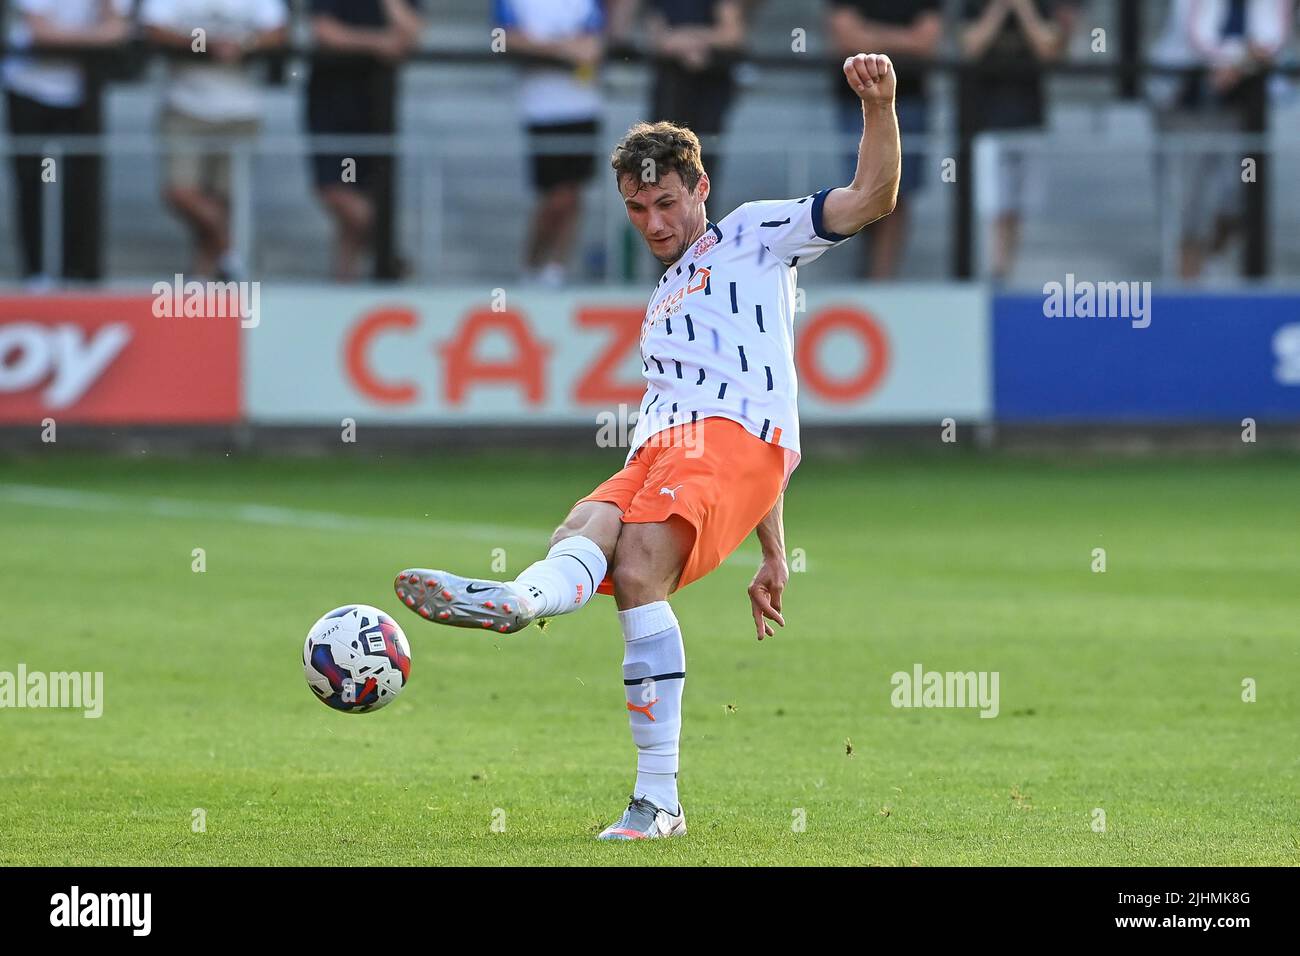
[[718, 335]]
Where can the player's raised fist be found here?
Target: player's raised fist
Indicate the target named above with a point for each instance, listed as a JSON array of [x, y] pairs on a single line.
[[871, 75]]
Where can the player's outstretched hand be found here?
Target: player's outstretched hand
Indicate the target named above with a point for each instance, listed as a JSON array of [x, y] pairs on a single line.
[[872, 77], [765, 594]]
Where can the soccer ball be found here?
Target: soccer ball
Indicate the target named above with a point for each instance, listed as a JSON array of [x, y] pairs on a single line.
[[356, 659]]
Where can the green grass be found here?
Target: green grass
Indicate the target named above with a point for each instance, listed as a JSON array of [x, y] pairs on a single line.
[[1119, 690]]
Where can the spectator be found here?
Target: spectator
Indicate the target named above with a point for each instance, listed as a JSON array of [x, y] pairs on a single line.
[[1231, 39], [694, 43], [210, 96], [904, 29], [1002, 33], [51, 97], [560, 101], [357, 95]]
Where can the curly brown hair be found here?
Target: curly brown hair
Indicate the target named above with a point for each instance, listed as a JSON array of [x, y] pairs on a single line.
[[650, 150]]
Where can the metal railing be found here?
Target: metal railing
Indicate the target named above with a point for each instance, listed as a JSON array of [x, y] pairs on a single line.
[[432, 152], [424, 159]]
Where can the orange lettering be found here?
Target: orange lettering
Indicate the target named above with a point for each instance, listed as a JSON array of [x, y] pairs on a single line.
[[357, 357], [859, 324], [598, 386], [461, 367]]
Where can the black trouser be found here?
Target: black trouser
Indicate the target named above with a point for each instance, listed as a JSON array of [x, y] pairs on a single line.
[[361, 99], [699, 100], [79, 177]]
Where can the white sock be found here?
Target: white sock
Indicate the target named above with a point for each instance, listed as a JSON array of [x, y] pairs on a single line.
[[654, 675], [566, 578]]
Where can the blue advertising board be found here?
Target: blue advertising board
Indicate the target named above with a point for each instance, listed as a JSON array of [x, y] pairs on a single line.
[[1199, 358]]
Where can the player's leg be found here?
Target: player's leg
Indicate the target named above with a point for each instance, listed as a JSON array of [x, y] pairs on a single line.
[[581, 550], [647, 566], [701, 498], [562, 582]]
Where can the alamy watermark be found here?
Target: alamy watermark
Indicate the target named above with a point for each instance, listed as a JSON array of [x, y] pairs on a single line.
[[922, 688], [76, 690], [1098, 300], [75, 908], [663, 427], [208, 300]]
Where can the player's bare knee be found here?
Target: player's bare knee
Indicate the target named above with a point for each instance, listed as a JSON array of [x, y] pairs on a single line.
[[649, 562], [599, 521], [636, 580]]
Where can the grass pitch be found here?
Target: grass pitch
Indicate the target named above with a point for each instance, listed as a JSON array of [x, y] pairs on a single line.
[[1119, 691]]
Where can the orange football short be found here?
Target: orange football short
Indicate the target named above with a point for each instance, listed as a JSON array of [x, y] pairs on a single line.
[[714, 473]]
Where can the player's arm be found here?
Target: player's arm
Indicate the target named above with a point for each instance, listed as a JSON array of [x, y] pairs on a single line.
[[874, 190], [770, 581]]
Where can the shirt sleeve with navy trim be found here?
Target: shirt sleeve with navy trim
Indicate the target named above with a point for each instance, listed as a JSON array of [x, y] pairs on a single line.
[[792, 229]]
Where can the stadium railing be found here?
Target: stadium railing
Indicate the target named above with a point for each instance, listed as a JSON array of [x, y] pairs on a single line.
[[423, 159], [433, 151]]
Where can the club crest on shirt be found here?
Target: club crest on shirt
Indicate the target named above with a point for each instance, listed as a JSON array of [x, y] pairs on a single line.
[[709, 240]]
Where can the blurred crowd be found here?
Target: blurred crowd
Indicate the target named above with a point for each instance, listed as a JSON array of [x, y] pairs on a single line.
[[216, 73]]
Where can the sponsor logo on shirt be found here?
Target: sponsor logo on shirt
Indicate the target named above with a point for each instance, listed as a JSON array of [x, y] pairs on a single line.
[[671, 305]]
